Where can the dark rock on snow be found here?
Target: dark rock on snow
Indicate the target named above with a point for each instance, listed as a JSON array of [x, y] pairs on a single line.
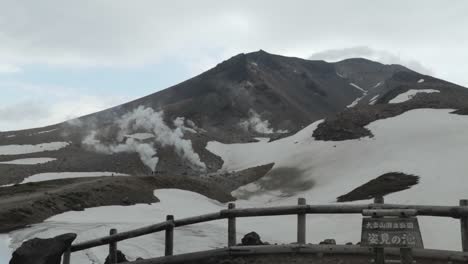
[[328, 242], [385, 184], [252, 239], [43, 251]]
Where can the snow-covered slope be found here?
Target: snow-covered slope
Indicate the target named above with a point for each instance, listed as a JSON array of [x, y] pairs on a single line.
[[408, 95], [28, 161], [426, 142]]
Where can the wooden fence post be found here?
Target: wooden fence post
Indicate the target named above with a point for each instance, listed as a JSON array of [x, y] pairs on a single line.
[[113, 248], [169, 245], [406, 254], [464, 228], [379, 252], [231, 227], [66, 256], [301, 223]]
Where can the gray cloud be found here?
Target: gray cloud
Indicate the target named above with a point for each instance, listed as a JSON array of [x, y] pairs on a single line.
[[369, 53], [50, 105], [92, 33], [23, 111]]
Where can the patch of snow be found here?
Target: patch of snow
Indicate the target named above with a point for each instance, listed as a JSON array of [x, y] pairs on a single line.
[[354, 103], [377, 85], [26, 149], [66, 175], [47, 131], [28, 161], [373, 100], [426, 142], [357, 87], [406, 96], [421, 81], [340, 75], [254, 64], [140, 136], [5, 250], [10, 136]]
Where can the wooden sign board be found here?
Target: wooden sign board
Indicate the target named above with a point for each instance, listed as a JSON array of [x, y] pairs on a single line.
[[391, 232]]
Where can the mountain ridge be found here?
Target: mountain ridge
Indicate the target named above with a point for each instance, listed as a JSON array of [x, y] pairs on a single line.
[[250, 95]]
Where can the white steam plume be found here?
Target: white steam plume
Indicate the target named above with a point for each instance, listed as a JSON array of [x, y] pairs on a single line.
[[146, 151], [147, 120], [255, 123]]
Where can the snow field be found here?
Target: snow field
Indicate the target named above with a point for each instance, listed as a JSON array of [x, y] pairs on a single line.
[[426, 142]]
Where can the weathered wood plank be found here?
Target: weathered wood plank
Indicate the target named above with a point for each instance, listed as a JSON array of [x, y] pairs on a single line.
[[379, 253], [169, 237], [442, 211], [464, 227], [120, 236], [66, 256], [301, 224], [113, 248], [389, 212], [232, 239], [442, 255], [198, 219], [185, 258]]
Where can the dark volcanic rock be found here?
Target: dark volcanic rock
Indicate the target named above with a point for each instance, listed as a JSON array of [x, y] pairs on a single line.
[[463, 111], [328, 242], [120, 258], [252, 239], [43, 251], [387, 183]]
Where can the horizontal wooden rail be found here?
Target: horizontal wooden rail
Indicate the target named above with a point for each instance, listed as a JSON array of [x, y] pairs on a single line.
[[351, 250], [389, 212], [425, 210], [198, 219], [121, 236], [441, 211]]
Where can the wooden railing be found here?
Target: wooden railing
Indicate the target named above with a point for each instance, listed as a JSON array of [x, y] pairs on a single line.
[[301, 210]]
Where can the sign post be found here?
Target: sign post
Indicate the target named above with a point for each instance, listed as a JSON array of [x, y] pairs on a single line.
[[391, 228]]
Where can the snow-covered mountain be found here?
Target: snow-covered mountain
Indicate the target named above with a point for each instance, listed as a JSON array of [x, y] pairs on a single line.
[[259, 128]]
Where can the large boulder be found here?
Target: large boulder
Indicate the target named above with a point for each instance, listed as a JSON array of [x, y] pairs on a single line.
[[252, 239], [120, 258], [43, 251]]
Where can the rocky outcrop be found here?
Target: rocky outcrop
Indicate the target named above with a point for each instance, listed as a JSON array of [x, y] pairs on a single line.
[[43, 251]]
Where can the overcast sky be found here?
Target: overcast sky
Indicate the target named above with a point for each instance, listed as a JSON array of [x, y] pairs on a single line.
[[61, 59]]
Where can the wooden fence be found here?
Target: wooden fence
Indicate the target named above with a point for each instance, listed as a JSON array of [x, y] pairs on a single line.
[[301, 210]]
